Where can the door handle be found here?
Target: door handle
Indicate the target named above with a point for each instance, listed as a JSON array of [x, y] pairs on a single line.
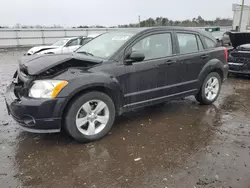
[[168, 62], [204, 56]]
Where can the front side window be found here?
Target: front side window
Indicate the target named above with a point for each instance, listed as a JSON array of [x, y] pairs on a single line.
[[155, 46], [187, 43], [105, 45]]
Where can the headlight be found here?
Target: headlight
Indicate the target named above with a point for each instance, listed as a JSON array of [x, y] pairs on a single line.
[[46, 88]]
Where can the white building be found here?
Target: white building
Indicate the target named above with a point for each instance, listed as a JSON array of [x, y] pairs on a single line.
[[245, 24]]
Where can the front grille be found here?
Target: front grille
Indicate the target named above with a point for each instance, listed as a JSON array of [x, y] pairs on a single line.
[[242, 60], [239, 57]]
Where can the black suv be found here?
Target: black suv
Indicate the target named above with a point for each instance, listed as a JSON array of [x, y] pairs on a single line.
[[112, 74]]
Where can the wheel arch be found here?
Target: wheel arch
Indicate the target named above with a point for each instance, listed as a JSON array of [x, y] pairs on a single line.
[[212, 66], [114, 95]]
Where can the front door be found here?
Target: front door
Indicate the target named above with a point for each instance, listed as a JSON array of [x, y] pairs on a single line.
[[143, 79]]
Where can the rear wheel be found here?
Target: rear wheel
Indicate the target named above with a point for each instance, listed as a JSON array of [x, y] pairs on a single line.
[[90, 117], [210, 89]]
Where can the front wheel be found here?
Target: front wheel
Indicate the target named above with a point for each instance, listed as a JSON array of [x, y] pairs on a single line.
[[210, 89], [90, 116]]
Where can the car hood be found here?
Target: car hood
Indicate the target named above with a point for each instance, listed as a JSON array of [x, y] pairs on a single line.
[[40, 48], [238, 39], [35, 65], [217, 36], [244, 47]]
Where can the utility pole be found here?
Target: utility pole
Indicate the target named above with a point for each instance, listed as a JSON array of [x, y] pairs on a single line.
[[139, 20], [241, 14]]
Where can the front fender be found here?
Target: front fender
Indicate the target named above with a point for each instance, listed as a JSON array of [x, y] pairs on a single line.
[[83, 81]]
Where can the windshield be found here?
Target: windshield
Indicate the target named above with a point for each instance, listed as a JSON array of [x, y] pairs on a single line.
[[105, 45], [60, 42]]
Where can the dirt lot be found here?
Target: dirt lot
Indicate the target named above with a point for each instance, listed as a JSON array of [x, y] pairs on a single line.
[[177, 145]]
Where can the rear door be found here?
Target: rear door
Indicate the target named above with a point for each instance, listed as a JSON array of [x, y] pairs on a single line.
[[191, 57], [85, 40]]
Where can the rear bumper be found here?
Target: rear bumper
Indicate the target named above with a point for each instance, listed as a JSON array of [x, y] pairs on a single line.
[[34, 115]]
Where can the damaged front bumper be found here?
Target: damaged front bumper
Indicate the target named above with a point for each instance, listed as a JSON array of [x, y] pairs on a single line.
[[239, 68], [34, 115]]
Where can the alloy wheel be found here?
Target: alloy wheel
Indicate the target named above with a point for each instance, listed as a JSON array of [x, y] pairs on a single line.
[[212, 88], [92, 117]]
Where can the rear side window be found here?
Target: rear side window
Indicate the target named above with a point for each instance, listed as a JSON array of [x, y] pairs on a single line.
[[187, 43], [210, 43], [85, 40]]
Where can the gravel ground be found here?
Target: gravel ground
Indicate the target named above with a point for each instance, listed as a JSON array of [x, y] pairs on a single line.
[[176, 145]]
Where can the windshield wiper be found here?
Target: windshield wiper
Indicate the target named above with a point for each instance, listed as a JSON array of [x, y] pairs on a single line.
[[86, 53]]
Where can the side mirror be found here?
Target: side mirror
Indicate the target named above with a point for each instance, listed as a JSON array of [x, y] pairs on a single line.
[[135, 57]]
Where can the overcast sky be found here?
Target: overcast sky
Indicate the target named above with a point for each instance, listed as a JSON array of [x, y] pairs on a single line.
[[108, 12]]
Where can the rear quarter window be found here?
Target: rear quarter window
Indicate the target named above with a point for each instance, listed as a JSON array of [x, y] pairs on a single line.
[[209, 43]]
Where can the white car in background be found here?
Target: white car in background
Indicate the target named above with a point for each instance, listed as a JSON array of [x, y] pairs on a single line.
[[64, 45]]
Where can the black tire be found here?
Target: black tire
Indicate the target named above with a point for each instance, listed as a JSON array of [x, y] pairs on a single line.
[[200, 97], [75, 105]]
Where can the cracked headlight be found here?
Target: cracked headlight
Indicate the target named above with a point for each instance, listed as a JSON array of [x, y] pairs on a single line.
[[46, 88]]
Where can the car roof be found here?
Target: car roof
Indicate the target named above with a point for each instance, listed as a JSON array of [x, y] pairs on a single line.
[[148, 29], [177, 28], [162, 28], [145, 29], [137, 30], [69, 38], [93, 35]]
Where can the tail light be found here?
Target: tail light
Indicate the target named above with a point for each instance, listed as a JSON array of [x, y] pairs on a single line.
[[226, 54]]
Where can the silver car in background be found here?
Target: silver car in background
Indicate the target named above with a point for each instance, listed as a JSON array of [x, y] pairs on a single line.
[[222, 37], [64, 45]]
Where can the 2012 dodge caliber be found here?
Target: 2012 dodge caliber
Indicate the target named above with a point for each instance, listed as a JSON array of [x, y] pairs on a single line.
[[112, 74]]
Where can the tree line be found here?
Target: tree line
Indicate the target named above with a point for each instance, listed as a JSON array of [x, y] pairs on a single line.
[[151, 22], [195, 22], [162, 21]]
